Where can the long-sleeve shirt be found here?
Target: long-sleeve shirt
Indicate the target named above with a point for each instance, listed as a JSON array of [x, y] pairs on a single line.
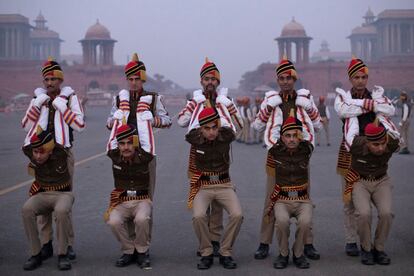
[[63, 123], [188, 116], [161, 117], [367, 164], [270, 120]]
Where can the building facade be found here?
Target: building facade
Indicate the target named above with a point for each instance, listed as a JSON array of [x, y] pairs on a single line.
[[385, 43]]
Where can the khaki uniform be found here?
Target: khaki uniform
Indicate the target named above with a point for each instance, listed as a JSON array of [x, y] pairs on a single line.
[[405, 124], [325, 116], [211, 182], [45, 221], [290, 196], [268, 222], [49, 193], [161, 120], [215, 210], [130, 209], [139, 213], [343, 165], [372, 184]]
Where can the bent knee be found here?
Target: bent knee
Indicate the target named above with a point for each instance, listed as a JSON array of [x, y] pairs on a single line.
[[236, 216], [141, 219], [62, 212], [282, 221], [363, 215], [199, 216], [27, 210], [305, 221], [386, 214], [114, 221]]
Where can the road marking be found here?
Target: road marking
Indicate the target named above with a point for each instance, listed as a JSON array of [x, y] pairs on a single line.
[[90, 158]]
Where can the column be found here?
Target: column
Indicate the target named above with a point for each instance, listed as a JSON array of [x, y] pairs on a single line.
[[353, 46], [8, 43], [299, 49], [389, 39], [281, 49], [398, 31], [94, 58], [101, 55], [380, 42], [306, 52], [19, 51], [84, 53], [111, 54], [412, 38], [13, 44], [289, 50], [365, 49], [394, 38]]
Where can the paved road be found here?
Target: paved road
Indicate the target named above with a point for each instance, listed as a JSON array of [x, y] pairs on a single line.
[[174, 242]]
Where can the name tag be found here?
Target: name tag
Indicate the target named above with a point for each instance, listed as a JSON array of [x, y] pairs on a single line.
[[131, 193], [214, 177], [293, 194], [361, 161], [117, 167], [200, 151]]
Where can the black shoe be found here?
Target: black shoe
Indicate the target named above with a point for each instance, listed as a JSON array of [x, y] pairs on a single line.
[[126, 259], [281, 262], [328, 144], [216, 248], [301, 262], [404, 151], [143, 260], [71, 253], [262, 252], [310, 252], [206, 262], [198, 253], [63, 262], [33, 262], [317, 145], [228, 262], [367, 258], [351, 249], [380, 257], [47, 250]]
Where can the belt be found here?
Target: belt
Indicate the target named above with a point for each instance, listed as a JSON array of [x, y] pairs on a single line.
[[215, 177], [56, 188], [136, 192], [372, 177], [293, 194]]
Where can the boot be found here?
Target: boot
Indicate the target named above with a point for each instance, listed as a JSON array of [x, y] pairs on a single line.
[[262, 252], [33, 262], [205, 262], [47, 250]]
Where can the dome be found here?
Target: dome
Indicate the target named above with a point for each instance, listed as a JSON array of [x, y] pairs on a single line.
[[97, 31], [364, 30], [293, 29]]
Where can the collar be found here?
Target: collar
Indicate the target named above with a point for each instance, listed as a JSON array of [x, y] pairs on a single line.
[[365, 95], [136, 94], [289, 96], [213, 97]]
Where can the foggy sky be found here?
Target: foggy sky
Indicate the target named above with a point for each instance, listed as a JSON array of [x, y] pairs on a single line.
[[173, 37]]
